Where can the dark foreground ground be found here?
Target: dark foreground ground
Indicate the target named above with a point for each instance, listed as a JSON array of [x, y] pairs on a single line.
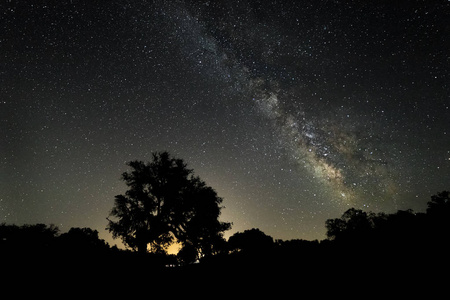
[[346, 272]]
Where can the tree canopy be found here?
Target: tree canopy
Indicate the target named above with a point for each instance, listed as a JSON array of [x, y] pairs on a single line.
[[164, 203]]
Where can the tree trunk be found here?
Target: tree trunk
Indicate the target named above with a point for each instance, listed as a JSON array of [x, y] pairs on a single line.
[[141, 242]]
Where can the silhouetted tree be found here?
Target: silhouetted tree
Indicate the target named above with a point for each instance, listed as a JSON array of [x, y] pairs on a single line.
[[438, 219], [439, 205], [250, 241], [27, 238], [353, 223], [82, 240], [165, 202]]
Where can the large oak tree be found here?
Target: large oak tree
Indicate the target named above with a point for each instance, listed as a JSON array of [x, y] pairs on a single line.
[[164, 203]]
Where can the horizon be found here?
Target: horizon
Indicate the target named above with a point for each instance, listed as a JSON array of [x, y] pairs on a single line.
[[176, 246]]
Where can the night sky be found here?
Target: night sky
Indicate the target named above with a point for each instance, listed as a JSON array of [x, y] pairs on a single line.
[[293, 111]]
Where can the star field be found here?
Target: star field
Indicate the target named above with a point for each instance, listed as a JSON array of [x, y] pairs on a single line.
[[293, 111]]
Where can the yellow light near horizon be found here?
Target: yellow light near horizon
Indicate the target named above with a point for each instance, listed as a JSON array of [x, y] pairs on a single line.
[[174, 248]]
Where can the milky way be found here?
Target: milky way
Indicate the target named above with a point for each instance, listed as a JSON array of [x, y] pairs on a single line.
[[336, 158], [293, 111], [346, 160]]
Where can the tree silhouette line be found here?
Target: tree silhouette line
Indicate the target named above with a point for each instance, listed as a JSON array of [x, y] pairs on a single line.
[[404, 235], [166, 203]]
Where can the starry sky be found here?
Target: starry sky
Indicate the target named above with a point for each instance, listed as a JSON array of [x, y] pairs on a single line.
[[293, 111]]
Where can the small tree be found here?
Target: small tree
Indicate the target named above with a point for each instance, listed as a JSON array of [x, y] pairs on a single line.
[[82, 240], [439, 204], [354, 223], [251, 241], [438, 215], [165, 202]]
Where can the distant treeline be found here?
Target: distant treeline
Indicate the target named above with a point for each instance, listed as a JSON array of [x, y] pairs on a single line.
[[357, 237], [40, 238]]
